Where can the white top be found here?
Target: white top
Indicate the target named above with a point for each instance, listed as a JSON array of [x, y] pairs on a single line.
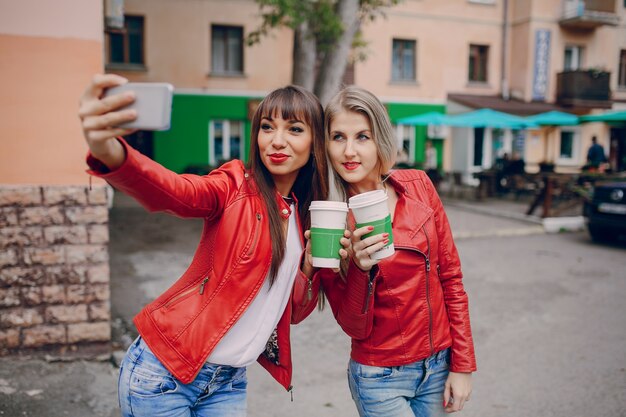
[[246, 340]]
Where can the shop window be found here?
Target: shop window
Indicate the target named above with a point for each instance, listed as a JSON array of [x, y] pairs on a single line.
[[226, 50], [478, 62], [568, 146], [125, 47], [405, 137], [225, 141], [403, 60], [479, 140]]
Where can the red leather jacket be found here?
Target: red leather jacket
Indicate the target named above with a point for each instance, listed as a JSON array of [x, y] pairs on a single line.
[[413, 303], [183, 325]]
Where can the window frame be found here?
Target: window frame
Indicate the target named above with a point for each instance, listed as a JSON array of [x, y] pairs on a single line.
[[578, 57], [471, 75], [126, 65], [573, 160], [401, 61], [405, 134], [227, 72], [226, 139]]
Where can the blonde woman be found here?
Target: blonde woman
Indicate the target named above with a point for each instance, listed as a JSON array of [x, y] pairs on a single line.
[[412, 350]]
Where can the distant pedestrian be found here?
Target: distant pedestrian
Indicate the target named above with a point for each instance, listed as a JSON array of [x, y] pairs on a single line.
[[408, 317], [430, 164], [595, 154], [234, 304]]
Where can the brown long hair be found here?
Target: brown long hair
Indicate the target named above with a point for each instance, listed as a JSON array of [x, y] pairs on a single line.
[[291, 102]]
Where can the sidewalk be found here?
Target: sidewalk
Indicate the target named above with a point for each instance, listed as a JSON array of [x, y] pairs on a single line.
[[36, 387]]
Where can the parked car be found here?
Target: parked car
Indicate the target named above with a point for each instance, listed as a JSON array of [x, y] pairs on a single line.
[[605, 211]]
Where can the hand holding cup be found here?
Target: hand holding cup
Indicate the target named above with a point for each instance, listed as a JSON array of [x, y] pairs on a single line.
[[365, 248]]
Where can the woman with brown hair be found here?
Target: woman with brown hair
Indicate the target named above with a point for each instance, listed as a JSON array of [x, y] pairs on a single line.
[[248, 280]]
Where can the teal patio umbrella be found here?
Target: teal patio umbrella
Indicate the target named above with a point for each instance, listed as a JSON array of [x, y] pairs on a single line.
[[554, 118], [489, 118], [430, 118], [610, 116]]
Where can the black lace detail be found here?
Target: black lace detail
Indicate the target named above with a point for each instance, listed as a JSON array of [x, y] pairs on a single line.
[[271, 349]]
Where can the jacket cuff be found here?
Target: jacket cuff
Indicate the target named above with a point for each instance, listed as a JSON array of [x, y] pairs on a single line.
[[358, 286], [97, 168]]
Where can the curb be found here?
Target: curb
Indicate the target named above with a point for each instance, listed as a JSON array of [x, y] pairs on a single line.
[[526, 231], [494, 212]]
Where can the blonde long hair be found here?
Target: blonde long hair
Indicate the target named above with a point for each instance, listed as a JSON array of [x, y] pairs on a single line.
[[359, 100]]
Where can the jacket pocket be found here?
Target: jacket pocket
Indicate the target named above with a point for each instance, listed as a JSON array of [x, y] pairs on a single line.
[[185, 294], [255, 234]]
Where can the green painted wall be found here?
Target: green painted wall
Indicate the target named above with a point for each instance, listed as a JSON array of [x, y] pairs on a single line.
[[187, 141], [400, 110]]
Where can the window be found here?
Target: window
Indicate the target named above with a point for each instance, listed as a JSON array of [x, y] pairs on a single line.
[[479, 139], [573, 58], [125, 46], [225, 141], [621, 80], [478, 60], [226, 49], [405, 138], [403, 60], [568, 146]]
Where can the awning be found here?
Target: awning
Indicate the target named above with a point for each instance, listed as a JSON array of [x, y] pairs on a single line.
[[554, 118], [489, 118], [610, 116], [430, 118]]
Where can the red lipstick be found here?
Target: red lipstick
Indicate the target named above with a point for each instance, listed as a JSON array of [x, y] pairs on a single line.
[[278, 158], [351, 166]]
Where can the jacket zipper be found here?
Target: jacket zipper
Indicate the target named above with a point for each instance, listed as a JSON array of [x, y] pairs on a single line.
[[188, 291], [430, 313], [427, 267], [257, 232], [370, 289]]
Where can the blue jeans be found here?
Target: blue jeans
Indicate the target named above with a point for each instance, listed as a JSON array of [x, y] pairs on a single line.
[[146, 388], [413, 390]]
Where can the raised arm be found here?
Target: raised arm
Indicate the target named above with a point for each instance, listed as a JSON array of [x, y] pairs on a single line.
[[154, 186]]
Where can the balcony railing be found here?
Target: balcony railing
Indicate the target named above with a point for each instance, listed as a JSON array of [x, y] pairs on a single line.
[[584, 88], [588, 14]]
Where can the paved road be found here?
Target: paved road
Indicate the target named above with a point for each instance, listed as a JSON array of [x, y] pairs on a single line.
[[547, 313]]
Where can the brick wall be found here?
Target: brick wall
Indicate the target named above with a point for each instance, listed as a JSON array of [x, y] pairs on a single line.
[[54, 271]]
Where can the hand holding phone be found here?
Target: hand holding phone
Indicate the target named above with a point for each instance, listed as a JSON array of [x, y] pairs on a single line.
[[153, 104]]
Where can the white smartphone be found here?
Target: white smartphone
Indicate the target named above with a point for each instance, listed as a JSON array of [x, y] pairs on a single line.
[[153, 103]]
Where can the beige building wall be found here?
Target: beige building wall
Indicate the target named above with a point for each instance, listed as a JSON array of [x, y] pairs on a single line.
[[49, 51], [178, 39], [443, 32]]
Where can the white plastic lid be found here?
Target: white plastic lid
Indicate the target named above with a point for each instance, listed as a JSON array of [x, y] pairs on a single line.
[[328, 205], [367, 199]]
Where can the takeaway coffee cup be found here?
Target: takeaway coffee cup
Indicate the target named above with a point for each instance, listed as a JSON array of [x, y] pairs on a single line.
[[370, 209], [328, 223]]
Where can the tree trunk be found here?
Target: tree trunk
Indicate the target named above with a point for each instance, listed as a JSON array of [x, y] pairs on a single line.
[[304, 54], [336, 59]]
